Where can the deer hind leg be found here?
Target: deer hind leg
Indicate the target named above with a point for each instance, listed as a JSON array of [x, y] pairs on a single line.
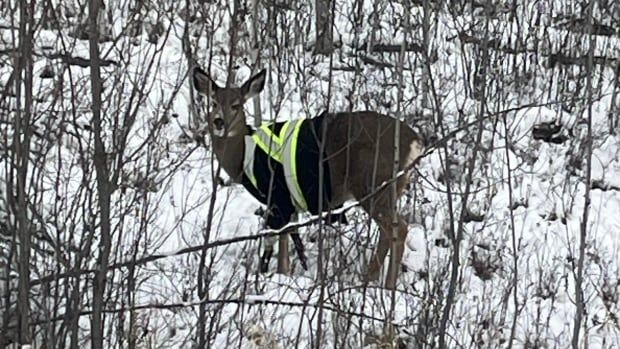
[[376, 261], [392, 234], [397, 247], [268, 243], [379, 210], [391, 238]]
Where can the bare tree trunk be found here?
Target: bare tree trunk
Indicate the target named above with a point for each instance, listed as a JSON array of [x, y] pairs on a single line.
[[234, 38], [131, 297], [515, 252], [455, 264], [392, 270], [579, 300], [22, 148], [321, 258], [321, 270], [426, 42], [256, 48], [614, 112], [103, 182], [203, 270], [73, 299], [324, 31]]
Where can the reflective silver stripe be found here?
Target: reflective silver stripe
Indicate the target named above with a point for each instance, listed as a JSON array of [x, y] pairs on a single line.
[[289, 162], [248, 159]]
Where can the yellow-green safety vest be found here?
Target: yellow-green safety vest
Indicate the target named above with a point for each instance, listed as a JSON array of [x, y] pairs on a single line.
[[282, 148]]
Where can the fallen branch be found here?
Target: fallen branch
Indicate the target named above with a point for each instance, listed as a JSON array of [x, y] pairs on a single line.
[[393, 48], [79, 61], [553, 58], [249, 301], [578, 25]]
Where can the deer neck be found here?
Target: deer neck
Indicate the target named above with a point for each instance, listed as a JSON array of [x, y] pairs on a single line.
[[229, 152]]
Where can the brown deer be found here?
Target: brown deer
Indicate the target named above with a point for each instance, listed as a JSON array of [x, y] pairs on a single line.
[[358, 157]]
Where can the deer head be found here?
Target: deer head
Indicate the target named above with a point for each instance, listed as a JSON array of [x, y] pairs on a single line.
[[227, 117]]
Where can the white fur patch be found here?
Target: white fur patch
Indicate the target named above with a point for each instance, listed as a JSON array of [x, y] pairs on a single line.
[[415, 151], [219, 133], [232, 134], [225, 133]]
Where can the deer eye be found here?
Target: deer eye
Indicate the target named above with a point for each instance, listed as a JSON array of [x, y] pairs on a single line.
[[236, 106]]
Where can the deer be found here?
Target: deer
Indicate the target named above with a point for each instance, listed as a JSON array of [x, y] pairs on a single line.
[[358, 151]]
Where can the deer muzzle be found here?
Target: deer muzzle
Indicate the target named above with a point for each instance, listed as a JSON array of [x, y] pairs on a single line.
[[219, 127]]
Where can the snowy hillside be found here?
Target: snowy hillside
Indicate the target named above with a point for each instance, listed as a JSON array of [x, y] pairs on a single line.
[[496, 214]]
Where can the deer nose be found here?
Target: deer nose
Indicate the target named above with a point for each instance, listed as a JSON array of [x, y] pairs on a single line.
[[219, 124]]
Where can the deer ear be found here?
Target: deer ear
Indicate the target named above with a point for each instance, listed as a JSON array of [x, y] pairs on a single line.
[[202, 82], [254, 85]]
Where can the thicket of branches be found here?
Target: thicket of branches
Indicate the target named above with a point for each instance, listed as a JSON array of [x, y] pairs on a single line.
[[106, 168]]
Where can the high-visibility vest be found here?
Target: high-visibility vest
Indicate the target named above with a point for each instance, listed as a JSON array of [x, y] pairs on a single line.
[[282, 148]]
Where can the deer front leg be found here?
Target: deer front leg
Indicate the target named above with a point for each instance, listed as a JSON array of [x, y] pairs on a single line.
[[284, 265], [268, 243]]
